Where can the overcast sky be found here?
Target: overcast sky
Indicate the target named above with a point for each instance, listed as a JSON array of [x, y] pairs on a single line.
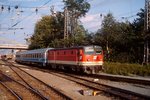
[[25, 16]]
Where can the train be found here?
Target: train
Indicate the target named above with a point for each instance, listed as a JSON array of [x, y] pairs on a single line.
[[6, 57], [83, 59]]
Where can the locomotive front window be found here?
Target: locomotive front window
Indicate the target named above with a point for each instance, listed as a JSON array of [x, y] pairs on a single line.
[[89, 50]]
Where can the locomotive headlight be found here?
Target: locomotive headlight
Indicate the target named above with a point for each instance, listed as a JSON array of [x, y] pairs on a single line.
[[94, 57]]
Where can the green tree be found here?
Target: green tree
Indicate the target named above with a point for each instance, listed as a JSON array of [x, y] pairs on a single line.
[[112, 36], [78, 8], [47, 30], [124, 40], [108, 31]]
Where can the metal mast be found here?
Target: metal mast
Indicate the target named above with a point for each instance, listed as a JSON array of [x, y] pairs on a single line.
[[146, 29], [66, 24]]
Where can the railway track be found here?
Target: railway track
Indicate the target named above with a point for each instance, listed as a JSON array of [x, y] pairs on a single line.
[[19, 90], [118, 78], [44, 90], [135, 80], [15, 95], [114, 91], [118, 92]]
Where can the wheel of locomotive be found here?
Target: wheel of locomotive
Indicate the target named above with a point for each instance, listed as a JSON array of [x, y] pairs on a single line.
[[53, 66], [61, 67]]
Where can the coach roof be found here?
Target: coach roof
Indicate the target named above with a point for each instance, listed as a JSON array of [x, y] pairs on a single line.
[[35, 51]]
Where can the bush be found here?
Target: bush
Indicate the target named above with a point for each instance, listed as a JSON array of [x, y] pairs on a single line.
[[126, 69]]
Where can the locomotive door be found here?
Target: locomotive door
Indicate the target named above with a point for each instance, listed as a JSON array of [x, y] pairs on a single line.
[[79, 56]]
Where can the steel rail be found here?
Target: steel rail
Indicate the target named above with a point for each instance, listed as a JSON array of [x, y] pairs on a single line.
[[124, 80], [12, 91], [125, 94], [128, 79], [54, 89], [120, 78], [27, 87], [33, 89]]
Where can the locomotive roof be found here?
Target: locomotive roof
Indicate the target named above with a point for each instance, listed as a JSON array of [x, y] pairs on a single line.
[[79, 47], [35, 51]]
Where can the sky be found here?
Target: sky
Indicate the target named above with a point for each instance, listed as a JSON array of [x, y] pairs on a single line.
[[18, 24]]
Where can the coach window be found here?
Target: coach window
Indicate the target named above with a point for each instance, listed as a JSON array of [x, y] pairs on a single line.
[[39, 55]]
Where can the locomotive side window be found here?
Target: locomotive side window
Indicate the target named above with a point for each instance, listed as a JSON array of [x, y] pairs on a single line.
[[98, 50]]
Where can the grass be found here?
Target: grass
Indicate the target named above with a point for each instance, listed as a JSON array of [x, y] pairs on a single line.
[[126, 69]]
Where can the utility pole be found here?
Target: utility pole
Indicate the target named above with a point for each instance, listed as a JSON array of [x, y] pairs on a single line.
[[66, 24], [146, 30], [70, 24], [52, 10]]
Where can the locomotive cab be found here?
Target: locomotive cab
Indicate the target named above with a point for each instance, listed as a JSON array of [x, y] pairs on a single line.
[[92, 59]]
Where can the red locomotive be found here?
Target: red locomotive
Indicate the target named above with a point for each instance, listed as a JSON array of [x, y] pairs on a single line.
[[87, 59]]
